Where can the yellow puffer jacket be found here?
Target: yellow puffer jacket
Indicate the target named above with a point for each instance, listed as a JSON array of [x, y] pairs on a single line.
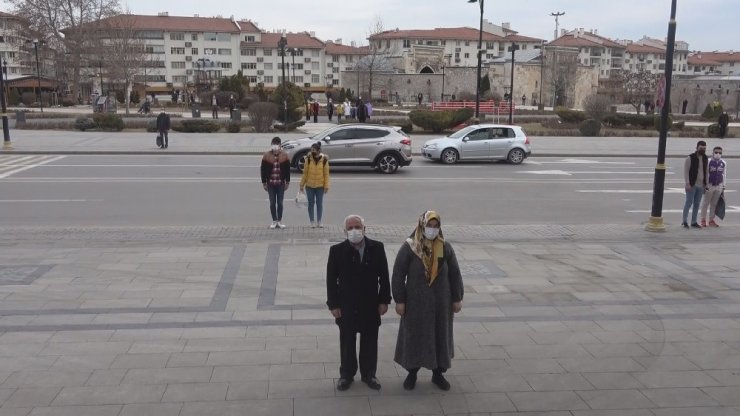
[[316, 175]]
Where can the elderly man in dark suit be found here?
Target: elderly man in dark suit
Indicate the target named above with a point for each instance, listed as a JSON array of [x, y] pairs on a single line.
[[358, 292]]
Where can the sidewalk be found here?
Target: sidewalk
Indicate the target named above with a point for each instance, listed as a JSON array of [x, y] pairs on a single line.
[[70, 142], [571, 320]]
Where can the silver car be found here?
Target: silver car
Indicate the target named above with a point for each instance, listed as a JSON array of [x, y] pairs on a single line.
[[385, 148], [480, 142]]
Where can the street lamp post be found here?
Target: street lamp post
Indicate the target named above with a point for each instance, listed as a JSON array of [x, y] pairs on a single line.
[[540, 104], [656, 216], [36, 43], [480, 56], [282, 43], [443, 83], [100, 71], [737, 104], [513, 48], [3, 106]]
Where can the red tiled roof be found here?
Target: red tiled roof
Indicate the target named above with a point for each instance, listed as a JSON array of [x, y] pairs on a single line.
[[337, 49], [521, 38], [3, 14], [570, 40], [176, 23], [452, 33], [295, 40], [713, 58], [637, 48]]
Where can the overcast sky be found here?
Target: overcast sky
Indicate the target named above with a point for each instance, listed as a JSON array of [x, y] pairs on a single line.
[[706, 24]]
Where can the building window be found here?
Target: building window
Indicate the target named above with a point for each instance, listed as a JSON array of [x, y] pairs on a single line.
[[249, 65], [194, 51], [177, 36], [210, 36], [267, 52], [406, 43], [151, 34], [225, 65], [249, 38], [388, 44], [224, 51], [335, 70], [467, 55], [252, 79], [315, 78], [249, 52], [335, 58], [299, 79], [467, 43], [209, 51], [180, 79], [268, 66], [194, 36], [177, 51], [315, 53], [335, 82], [349, 58], [178, 65], [268, 79], [315, 65], [154, 49], [298, 66], [2, 39], [223, 37], [490, 45]]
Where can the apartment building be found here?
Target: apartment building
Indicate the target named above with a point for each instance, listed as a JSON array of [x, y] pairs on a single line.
[[427, 50], [714, 63], [648, 54]]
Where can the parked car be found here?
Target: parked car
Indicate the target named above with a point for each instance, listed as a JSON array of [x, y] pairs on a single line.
[[480, 142], [385, 148]]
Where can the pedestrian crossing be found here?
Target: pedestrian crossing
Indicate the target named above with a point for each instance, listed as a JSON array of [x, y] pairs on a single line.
[[12, 164]]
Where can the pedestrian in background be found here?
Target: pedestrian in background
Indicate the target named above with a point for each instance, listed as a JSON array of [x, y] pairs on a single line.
[[340, 112], [352, 110], [315, 181], [717, 172], [428, 290], [214, 106], [308, 110], [420, 98], [232, 106], [315, 111], [358, 294], [275, 174], [163, 127], [723, 121], [330, 109], [361, 111], [695, 179]]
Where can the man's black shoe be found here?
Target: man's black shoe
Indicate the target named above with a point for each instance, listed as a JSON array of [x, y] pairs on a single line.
[[440, 381], [372, 382], [410, 381], [695, 225], [343, 384], [685, 224]]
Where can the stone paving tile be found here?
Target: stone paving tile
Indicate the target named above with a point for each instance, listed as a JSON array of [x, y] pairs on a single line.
[[546, 401], [15, 411], [300, 388], [356, 406], [247, 390], [500, 383], [32, 397], [52, 378], [557, 382], [108, 410], [389, 405], [615, 399], [168, 375], [726, 396], [675, 379], [272, 407], [99, 395], [195, 392], [613, 381], [249, 357], [151, 409], [679, 397], [140, 361], [620, 412]]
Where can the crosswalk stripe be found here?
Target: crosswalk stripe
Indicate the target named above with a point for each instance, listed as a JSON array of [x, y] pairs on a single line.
[[22, 163]]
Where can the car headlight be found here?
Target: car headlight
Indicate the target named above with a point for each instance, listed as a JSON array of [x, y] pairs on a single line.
[[430, 146]]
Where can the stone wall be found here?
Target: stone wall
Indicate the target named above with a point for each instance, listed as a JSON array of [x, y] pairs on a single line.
[[702, 90], [408, 86]]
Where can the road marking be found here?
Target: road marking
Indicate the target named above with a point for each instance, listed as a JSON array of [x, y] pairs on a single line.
[[548, 172], [729, 208], [635, 191], [38, 161], [51, 200], [586, 161]]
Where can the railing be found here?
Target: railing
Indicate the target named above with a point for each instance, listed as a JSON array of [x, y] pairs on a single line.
[[486, 107]]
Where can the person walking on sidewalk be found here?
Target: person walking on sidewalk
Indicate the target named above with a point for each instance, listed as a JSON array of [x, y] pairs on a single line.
[[315, 181], [275, 173], [330, 109], [358, 293], [361, 111], [232, 106], [340, 112], [695, 179], [315, 111], [715, 186], [723, 121], [214, 106], [428, 290], [163, 127]]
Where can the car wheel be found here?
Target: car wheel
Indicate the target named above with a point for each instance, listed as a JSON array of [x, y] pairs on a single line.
[[299, 161], [516, 156], [450, 156], [388, 163]]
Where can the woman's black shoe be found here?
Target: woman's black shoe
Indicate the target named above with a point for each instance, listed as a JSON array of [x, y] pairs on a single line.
[[410, 381], [440, 381]]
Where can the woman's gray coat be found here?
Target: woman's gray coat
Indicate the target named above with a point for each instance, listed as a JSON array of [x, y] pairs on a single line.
[[425, 335]]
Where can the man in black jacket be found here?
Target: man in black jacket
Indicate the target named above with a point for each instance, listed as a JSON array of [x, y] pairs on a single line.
[[163, 126], [358, 292], [695, 175]]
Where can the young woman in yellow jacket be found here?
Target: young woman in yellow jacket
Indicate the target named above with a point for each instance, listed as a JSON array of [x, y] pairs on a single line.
[[315, 181]]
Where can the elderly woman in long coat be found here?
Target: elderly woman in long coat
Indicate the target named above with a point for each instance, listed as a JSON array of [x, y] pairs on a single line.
[[428, 290]]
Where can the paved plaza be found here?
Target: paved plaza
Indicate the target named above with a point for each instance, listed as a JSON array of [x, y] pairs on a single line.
[[557, 320]]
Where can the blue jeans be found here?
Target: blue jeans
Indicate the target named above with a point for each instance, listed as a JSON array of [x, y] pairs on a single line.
[[276, 201], [693, 197], [315, 196]]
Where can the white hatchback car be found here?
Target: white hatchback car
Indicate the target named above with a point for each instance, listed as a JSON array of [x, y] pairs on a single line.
[[480, 142]]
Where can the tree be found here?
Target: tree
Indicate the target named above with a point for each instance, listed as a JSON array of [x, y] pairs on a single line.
[[237, 83], [596, 106], [64, 22], [125, 51], [638, 87], [376, 60], [294, 99]]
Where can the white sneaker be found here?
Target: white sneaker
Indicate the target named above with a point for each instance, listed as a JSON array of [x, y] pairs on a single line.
[[273, 225], [321, 225], [313, 224], [280, 225]]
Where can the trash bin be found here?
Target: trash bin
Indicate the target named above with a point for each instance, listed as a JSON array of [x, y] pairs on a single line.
[[236, 115], [20, 117], [195, 112]]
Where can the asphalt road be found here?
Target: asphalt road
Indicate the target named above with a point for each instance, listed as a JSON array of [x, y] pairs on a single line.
[[149, 190]]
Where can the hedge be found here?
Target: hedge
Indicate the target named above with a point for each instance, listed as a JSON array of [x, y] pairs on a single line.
[[108, 121], [437, 121], [590, 128], [196, 126]]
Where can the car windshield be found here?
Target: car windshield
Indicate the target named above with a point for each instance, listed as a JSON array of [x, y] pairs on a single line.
[[462, 133], [320, 135]]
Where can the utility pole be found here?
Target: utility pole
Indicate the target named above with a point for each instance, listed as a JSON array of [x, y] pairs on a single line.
[[282, 43], [557, 15]]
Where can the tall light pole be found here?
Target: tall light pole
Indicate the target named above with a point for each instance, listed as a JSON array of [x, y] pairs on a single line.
[[513, 48], [656, 215], [557, 15], [540, 104], [443, 83], [282, 43], [3, 106], [480, 57], [737, 104]]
